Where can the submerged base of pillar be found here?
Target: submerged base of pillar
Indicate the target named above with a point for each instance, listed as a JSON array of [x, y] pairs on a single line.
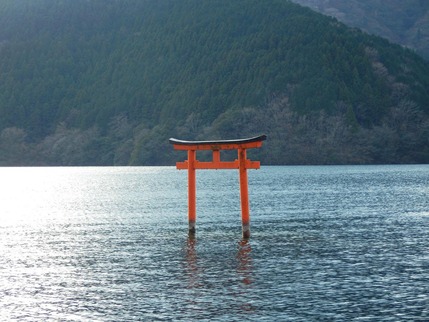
[[192, 228], [246, 231]]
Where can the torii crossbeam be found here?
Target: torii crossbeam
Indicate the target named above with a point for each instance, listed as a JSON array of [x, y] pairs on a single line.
[[242, 164]]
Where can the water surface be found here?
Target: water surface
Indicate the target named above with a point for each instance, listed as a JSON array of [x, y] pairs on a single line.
[[109, 244]]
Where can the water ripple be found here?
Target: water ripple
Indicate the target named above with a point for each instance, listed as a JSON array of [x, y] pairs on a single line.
[[328, 244]]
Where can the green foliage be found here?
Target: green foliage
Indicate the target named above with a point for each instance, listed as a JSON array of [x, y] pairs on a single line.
[[107, 81], [404, 22]]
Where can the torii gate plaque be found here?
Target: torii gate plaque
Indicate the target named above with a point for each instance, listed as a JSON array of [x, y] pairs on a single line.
[[242, 164]]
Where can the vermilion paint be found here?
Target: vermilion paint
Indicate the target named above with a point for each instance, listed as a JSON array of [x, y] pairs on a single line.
[[242, 164]]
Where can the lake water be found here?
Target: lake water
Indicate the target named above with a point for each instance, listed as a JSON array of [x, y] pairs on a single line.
[[334, 243]]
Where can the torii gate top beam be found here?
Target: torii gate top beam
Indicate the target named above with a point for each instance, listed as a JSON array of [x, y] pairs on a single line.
[[216, 146], [253, 142]]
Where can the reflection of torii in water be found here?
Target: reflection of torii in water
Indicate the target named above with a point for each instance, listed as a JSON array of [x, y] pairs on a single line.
[[245, 261], [242, 163], [194, 269], [191, 261]]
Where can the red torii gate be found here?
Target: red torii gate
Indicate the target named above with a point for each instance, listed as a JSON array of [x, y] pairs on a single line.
[[242, 163]]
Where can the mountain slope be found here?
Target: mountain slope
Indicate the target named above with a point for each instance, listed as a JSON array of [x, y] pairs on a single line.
[[405, 22], [107, 82]]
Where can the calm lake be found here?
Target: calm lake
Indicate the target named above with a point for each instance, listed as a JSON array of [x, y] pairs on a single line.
[[328, 243]]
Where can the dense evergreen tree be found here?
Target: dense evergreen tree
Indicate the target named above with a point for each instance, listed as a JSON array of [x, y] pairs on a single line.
[[404, 22], [107, 82]]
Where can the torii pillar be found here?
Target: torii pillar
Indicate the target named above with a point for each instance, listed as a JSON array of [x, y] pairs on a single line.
[[242, 164]]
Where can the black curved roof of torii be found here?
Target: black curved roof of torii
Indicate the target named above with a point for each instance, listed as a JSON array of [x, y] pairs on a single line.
[[236, 141]]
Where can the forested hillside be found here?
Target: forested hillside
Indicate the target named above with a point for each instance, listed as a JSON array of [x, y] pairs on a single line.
[[405, 22], [107, 82]]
